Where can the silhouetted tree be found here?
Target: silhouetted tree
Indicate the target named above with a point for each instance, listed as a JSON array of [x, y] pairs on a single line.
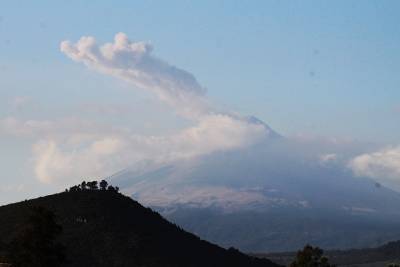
[[111, 188], [35, 244], [103, 185], [83, 185], [311, 257], [74, 188], [92, 185]]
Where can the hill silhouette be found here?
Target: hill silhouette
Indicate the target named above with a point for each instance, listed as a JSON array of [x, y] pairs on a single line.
[[106, 228]]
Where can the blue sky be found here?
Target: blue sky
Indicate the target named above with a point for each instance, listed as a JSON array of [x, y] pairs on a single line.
[[322, 68]]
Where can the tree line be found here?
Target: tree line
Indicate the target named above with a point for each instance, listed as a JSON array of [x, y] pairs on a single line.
[[92, 186]]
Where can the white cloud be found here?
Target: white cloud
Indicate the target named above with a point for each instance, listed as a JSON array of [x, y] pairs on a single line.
[[13, 126], [383, 165], [50, 128], [327, 158]]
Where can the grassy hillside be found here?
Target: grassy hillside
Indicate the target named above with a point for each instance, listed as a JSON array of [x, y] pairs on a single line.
[[103, 228]]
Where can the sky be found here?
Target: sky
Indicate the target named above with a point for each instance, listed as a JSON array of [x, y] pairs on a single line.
[[305, 68]]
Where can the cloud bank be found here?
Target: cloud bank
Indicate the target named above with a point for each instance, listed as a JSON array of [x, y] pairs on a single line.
[[88, 153], [382, 165], [69, 149]]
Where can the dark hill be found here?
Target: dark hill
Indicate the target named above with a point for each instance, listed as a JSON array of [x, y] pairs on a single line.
[[103, 228]]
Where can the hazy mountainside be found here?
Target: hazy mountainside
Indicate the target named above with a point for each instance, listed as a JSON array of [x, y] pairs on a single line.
[[102, 228], [379, 256], [286, 230], [285, 192]]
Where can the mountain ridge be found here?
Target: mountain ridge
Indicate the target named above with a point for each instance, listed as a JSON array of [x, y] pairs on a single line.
[[270, 184], [104, 228]]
